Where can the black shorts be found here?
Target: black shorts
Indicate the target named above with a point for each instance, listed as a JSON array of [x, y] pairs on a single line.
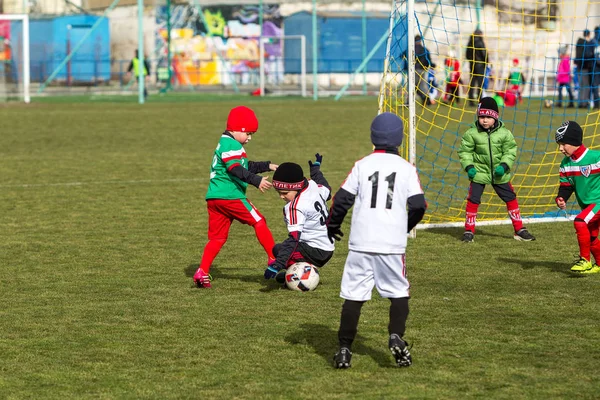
[[311, 255]]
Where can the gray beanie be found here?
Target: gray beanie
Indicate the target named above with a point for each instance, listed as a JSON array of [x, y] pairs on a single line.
[[387, 130]]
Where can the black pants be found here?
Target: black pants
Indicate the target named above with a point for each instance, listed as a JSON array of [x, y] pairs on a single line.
[[505, 191], [475, 85], [306, 253], [569, 92]]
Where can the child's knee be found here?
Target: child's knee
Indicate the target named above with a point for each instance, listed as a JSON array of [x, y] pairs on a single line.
[[219, 237], [579, 224], [260, 224]]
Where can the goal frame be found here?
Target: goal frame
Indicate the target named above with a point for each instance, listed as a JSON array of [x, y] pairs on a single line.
[[302, 39], [406, 9], [26, 61]]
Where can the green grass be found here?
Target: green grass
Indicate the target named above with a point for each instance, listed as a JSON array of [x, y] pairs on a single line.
[[103, 222]]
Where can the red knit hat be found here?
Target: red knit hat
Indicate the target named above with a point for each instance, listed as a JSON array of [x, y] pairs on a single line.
[[242, 119]]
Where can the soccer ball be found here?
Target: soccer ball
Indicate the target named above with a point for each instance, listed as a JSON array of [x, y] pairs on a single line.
[[302, 276], [548, 103]]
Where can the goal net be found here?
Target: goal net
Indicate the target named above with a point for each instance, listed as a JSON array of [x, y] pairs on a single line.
[[526, 44], [14, 58]]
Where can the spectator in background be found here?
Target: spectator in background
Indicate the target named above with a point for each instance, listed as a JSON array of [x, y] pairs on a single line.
[[597, 35], [584, 60], [477, 56], [488, 82], [136, 67], [516, 80], [452, 67], [433, 86], [422, 64], [595, 84], [563, 77]]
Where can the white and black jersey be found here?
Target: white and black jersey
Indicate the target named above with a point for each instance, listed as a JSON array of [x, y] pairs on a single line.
[[306, 218], [307, 214], [388, 202]]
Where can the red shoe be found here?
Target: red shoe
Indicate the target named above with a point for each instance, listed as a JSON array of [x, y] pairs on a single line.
[[202, 279]]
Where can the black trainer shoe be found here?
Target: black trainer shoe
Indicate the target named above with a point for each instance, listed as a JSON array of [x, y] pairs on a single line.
[[399, 349], [524, 235], [468, 237], [341, 359]]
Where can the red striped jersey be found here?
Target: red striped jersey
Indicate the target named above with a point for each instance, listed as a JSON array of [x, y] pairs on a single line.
[[382, 183], [583, 175], [307, 214], [223, 185]]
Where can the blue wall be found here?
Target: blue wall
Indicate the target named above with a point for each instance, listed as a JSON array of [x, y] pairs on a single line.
[[339, 41], [50, 40]]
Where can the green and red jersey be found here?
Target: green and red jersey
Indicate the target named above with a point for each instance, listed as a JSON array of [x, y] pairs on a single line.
[[581, 173], [223, 185]]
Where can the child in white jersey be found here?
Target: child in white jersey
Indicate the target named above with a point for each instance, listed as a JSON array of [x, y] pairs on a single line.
[[579, 174], [305, 215], [388, 202]]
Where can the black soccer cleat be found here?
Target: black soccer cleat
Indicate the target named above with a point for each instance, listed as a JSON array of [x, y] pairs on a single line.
[[341, 359], [468, 237], [399, 349], [523, 235]]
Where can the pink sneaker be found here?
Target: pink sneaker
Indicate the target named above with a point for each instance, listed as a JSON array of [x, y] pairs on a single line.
[[202, 279]]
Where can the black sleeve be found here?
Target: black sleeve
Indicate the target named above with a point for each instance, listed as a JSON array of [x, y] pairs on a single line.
[[565, 192], [317, 176], [130, 68], [578, 52], [147, 65], [286, 248], [416, 209], [245, 175], [256, 167], [342, 202]]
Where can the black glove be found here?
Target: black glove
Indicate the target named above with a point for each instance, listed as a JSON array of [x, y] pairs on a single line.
[[317, 163], [334, 233]]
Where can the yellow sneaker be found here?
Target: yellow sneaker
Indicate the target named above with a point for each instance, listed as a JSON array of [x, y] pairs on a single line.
[[581, 265], [594, 270]]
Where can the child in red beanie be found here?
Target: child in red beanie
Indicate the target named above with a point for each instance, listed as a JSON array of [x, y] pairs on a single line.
[[230, 174]]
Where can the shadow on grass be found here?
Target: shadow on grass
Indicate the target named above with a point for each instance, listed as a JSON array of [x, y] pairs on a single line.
[[456, 233], [217, 273], [190, 270], [553, 266], [324, 341]]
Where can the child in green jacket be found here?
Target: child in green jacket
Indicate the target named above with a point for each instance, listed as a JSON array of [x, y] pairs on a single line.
[[487, 153]]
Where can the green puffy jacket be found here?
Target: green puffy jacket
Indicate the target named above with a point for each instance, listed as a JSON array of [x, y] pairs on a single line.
[[485, 151]]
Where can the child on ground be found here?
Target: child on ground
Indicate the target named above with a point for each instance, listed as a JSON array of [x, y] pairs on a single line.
[[388, 202], [563, 78], [487, 153], [230, 174], [305, 215], [579, 174]]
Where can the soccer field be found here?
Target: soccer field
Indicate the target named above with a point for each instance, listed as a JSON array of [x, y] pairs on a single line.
[[103, 221]]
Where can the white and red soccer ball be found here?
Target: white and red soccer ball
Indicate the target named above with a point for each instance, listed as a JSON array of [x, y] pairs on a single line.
[[302, 276]]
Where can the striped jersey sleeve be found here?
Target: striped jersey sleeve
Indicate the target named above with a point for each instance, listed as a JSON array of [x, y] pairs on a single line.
[[294, 217]]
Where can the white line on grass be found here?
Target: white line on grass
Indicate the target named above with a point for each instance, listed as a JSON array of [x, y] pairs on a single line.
[[132, 182]]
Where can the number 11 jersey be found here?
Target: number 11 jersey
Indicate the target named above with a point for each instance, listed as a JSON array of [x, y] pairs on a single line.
[[382, 182]]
